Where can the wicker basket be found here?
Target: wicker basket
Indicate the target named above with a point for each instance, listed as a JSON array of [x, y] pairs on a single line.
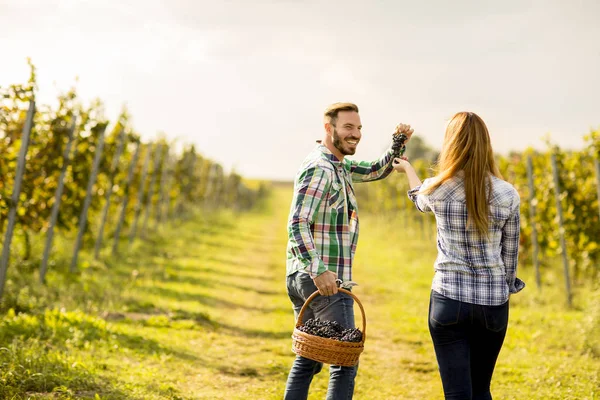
[[325, 350]]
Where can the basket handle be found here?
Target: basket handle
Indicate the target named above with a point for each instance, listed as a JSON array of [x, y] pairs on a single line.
[[316, 293]]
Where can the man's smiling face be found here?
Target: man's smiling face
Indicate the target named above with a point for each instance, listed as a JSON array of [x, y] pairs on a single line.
[[346, 132]]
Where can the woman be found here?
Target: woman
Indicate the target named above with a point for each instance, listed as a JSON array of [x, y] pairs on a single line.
[[477, 216]]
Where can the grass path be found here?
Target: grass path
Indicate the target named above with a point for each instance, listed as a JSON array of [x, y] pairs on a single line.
[[203, 314]]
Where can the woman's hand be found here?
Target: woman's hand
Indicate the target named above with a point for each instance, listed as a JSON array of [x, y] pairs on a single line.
[[401, 164]]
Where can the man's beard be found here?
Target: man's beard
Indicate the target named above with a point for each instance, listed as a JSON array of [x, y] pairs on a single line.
[[339, 144]]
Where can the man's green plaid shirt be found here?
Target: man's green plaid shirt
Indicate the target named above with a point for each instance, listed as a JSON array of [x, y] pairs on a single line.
[[323, 221]]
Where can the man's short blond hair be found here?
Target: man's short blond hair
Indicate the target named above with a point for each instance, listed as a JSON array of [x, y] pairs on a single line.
[[331, 113]]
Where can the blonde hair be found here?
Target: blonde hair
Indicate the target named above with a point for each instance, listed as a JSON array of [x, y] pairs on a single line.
[[331, 113], [467, 147]]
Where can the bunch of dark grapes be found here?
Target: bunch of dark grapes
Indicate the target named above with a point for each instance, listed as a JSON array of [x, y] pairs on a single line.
[[398, 146], [352, 335], [330, 330]]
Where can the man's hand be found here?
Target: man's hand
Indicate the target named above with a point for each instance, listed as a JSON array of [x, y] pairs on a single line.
[[404, 128], [326, 283]]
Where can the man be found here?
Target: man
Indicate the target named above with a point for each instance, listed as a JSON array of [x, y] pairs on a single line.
[[322, 237]]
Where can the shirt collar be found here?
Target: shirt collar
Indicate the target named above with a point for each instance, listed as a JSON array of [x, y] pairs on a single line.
[[327, 154]]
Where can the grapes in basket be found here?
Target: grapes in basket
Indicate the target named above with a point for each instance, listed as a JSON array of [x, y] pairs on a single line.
[[331, 330]]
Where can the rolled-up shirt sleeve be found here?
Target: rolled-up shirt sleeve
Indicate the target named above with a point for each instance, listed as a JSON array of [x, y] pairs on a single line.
[[421, 200]]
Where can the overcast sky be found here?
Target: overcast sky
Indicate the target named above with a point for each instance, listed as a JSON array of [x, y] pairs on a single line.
[[247, 81]]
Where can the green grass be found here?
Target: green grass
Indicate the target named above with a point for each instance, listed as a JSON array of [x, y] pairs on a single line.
[[199, 311]]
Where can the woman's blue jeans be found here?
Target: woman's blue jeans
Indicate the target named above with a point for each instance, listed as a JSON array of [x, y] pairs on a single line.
[[338, 307], [467, 339]]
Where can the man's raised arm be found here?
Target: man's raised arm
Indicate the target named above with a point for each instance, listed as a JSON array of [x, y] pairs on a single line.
[[364, 171]]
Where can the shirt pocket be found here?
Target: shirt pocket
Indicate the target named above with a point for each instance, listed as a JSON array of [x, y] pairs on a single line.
[[336, 196]]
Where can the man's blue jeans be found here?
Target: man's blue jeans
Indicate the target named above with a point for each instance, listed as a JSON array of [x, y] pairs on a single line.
[[467, 339], [338, 307]]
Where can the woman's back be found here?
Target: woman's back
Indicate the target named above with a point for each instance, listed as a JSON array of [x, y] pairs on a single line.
[[471, 267]]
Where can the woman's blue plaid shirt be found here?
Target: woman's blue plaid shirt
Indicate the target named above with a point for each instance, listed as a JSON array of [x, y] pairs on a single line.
[[468, 267]]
